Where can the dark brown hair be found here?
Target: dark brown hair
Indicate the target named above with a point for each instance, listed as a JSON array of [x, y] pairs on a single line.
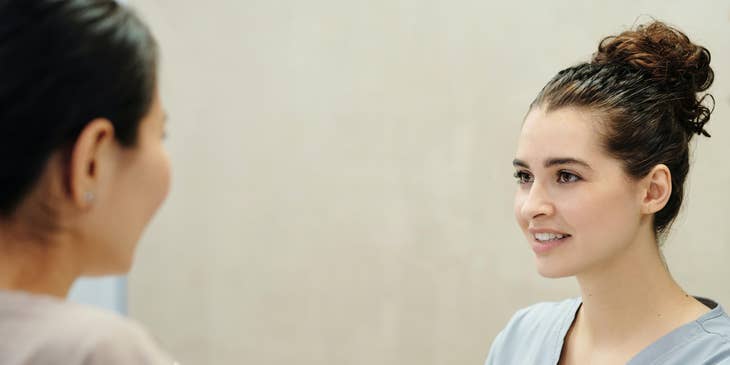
[[644, 84]]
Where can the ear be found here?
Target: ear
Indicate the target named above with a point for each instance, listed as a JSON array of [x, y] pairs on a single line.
[[657, 188], [90, 155]]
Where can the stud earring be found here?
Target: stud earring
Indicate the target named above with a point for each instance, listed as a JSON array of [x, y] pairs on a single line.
[[89, 196]]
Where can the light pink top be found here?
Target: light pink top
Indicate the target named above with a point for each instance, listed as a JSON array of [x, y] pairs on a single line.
[[42, 330]]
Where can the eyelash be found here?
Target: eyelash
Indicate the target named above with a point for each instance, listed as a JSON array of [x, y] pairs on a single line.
[[523, 176]]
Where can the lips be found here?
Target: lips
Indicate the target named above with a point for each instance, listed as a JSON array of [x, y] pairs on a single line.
[[544, 240]]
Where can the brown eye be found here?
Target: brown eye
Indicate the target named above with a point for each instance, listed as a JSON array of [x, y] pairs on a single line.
[[565, 177], [523, 177]]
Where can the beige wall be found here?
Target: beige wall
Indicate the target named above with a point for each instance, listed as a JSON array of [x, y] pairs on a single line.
[[342, 186]]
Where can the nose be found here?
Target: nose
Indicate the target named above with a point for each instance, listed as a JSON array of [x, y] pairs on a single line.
[[537, 203]]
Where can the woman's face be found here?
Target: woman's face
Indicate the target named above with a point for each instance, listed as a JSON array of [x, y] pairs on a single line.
[[574, 203], [138, 184]]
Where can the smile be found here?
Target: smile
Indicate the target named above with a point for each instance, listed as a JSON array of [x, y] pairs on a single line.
[[547, 237], [544, 242]]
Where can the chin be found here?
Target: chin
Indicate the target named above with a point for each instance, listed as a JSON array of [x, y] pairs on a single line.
[[553, 270]]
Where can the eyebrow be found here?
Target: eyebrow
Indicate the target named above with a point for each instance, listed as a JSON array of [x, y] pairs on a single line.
[[553, 162]]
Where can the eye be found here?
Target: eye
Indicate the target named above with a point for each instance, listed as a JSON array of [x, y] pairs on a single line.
[[565, 177], [523, 177]]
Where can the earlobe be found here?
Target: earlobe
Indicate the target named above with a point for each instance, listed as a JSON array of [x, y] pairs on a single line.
[[658, 189], [89, 155]]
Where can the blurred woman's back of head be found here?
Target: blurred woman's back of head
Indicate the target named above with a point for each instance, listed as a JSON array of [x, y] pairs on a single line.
[[62, 64]]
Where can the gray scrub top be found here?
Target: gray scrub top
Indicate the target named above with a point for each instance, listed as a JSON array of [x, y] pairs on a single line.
[[534, 336]]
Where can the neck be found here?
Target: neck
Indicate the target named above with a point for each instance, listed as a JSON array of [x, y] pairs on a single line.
[[633, 292], [34, 265]]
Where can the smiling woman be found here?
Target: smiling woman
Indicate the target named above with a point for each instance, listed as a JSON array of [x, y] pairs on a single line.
[[600, 164]]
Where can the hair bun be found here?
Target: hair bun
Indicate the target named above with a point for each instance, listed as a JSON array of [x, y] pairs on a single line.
[[667, 55], [665, 52]]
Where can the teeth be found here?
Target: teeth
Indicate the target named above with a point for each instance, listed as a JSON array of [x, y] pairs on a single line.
[[548, 236]]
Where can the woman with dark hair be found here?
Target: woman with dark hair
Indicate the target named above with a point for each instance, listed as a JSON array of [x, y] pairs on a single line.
[[601, 163], [82, 171]]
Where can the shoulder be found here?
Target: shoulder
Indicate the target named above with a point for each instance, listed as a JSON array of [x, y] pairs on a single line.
[[49, 328], [715, 336], [107, 338], [716, 323], [706, 341]]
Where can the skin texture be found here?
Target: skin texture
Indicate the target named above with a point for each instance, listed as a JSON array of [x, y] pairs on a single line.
[[88, 210], [568, 184]]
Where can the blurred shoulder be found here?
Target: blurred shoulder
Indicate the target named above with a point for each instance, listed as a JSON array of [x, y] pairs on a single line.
[[46, 328], [108, 338]]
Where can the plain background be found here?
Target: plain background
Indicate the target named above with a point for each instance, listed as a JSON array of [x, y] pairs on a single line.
[[343, 186]]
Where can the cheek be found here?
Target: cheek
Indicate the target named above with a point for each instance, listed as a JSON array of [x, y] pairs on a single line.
[[161, 173], [519, 201], [604, 214], [150, 182]]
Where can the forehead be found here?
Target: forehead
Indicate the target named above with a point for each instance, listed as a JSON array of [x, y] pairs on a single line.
[[566, 132]]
